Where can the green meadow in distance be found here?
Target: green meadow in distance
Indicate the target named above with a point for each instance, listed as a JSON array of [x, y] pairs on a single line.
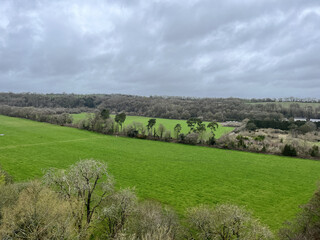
[[168, 123], [178, 175], [287, 104]]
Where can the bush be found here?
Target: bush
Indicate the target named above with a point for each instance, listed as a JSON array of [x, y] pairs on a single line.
[[115, 213], [151, 221], [241, 143], [264, 149], [308, 127], [192, 138], [225, 222], [37, 214], [251, 126], [259, 138], [10, 194], [85, 185], [132, 133], [212, 140], [181, 137], [167, 135], [289, 150], [314, 151], [5, 178]]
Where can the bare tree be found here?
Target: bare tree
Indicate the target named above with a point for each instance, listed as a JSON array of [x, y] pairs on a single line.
[[85, 185], [161, 130], [226, 222], [151, 221], [38, 213], [115, 213]]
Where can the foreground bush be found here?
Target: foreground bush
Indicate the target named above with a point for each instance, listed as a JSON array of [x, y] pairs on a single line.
[[5, 178], [81, 203], [151, 221], [37, 214], [226, 222], [9, 195], [115, 214], [84, 186]]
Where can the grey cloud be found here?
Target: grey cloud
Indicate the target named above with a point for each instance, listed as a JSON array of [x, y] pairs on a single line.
[[199, 48]]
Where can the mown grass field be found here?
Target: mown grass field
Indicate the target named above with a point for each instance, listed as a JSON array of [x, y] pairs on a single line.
[[178, 175], [168, 123], [287, 104]]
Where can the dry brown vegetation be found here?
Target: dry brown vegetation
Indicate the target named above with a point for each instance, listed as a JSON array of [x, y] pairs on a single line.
[[272, 141]]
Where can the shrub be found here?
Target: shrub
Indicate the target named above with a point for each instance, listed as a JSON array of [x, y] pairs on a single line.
[[289, 150], [141, 136], [37, 214], [225, 222], [5, 178], [192, 138], [241, 142], [251, 126], [307, 127], [10, 194], [132, 133], [151, 221], [314, 151], [212, 140], [181, 137], [167, 135], [88, 182], [115, 213], [264, 149], [259, 138]]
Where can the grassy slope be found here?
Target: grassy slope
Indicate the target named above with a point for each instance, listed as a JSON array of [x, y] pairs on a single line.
[[287, 104], [175, 174], [168, 123]]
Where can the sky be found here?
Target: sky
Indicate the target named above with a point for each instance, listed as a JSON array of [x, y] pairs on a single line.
[[220, 48]]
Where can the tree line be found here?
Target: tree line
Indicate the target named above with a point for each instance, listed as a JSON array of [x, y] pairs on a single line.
[[219, 109], [199, 133], [81, 202], [302, 126], [53, 116], [101, 122]]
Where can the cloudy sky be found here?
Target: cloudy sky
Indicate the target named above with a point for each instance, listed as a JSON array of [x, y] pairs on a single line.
[[205, 48]]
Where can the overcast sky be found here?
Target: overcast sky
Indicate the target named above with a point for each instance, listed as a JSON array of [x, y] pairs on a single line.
[[209, 48]]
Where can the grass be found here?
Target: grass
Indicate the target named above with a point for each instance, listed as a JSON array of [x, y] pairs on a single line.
[[287, 104], [168, 123], [272, 187]]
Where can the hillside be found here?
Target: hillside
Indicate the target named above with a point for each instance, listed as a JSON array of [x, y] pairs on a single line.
[[178, 175]]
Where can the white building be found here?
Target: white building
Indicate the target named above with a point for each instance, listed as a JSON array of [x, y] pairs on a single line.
[[305, 119], [300, 119], [314, 120]]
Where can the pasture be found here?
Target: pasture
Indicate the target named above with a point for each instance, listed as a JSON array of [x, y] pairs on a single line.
[[168, 123], [178, 175], [287, 104]]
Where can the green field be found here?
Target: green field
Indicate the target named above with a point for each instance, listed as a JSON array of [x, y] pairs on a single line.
[[287, 104], [175, 174], [168, 123]]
